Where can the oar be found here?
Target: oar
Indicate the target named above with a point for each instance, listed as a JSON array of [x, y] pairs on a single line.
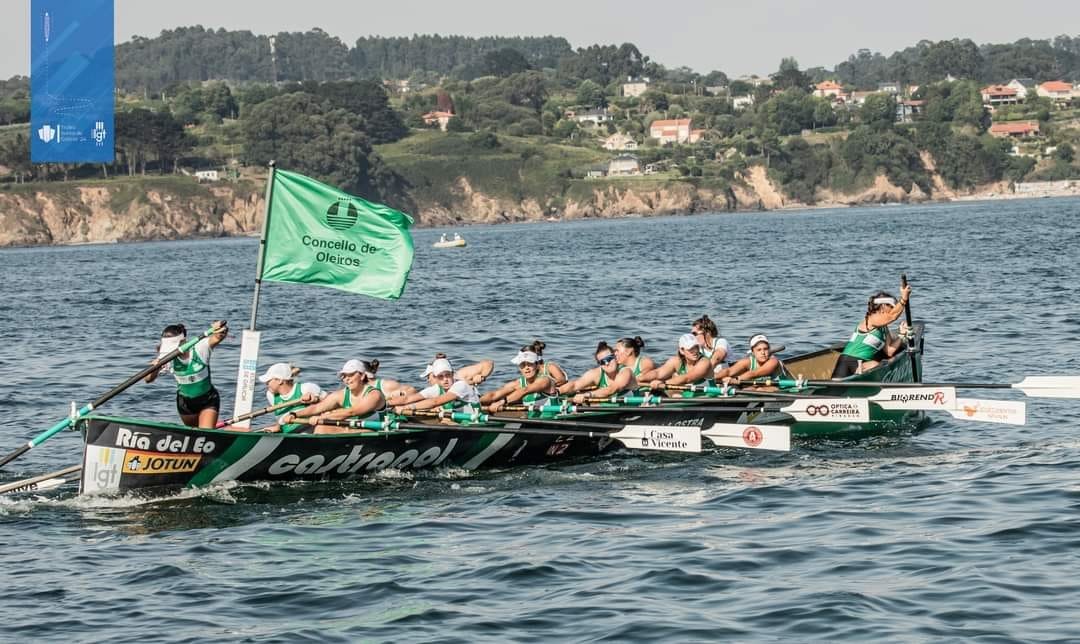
[[40, 482], [810, 410], [86, 409], [911, 338], [260, 412], [1033, 386], [647, 437]]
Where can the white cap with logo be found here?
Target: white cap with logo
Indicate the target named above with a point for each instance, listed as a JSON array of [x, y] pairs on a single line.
[[279, 370], [758, 339], [352, 366], [687, 341]]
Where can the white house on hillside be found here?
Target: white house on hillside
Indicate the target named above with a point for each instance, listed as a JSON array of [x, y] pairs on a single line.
[[670, 131], [635, 86], [593, 116], [624, 165], [620, 141], [1023, 87]]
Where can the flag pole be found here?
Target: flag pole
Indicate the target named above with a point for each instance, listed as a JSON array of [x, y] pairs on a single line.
[[249, 346], [262, 244]]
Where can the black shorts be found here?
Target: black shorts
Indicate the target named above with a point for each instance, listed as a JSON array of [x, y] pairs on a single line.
[[192, 406], [846, 366]]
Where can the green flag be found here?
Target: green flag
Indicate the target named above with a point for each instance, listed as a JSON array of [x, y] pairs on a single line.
[[319, 235]]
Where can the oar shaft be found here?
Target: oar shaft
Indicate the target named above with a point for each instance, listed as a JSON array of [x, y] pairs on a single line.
[[487, 418], [375, 425], [33, 480], [915, 375]]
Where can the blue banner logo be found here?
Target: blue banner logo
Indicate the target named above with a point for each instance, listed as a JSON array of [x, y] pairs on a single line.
[[71, 81]]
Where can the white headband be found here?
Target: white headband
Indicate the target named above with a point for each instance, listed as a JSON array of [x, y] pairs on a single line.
[[525, 356], [170, 344], [758, 338], [891, 301]]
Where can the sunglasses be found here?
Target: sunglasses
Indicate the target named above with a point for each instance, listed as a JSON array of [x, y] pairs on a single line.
[[606, 360]]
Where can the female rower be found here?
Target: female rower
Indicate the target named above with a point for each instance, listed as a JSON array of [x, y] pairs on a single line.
[[761, 363], [282, 387], [688, 366], [531, 387], [606, 379], [447, 391], [547, 368], [713, 347], [391, 389], [628, 353], [474, 374], [197, 400], [871, 341], [358, 399]]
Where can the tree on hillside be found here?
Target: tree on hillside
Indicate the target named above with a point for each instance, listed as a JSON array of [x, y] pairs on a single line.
[[368, 99], [505, 62], [527, 89], [303, 133], [589, 94], [789, 76], [878, 111], [603, 63], [142, 135]]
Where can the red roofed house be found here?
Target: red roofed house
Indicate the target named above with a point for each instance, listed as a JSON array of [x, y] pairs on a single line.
[[993, 95], [442, 118], [670, 131], [1015, 128], [829, 89], [1057, 90]]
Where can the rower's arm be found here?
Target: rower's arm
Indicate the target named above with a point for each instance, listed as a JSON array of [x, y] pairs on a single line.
[[476, 373], [587, 381], [734, 370], [372, 401], [662, 372], [333, 401], [768, 368], [431, 403], [499, 393], [622, 381], [558, 376], [700, 371], [536, 386]]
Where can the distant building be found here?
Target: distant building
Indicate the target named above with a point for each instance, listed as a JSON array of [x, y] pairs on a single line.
[[1057, 91], [859, 97], [1023, 87], [716, 90], [755, 80], [670, 131], [994, 95], [1015, 128], [442, 118], [635, 86], [742, 102], [593, 116], [696, 135], [907, 110], [620, 141], [889, 87], [623, 165], [206, 175], [829, 89]]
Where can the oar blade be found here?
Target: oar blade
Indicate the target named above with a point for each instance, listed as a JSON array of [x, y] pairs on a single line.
[[1006, 412], [1050, 386], [829, 410], [663, 438], [768, 437], [928, 398]]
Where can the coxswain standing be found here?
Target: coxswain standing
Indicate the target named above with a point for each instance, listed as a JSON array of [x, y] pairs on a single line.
[[197, 400]]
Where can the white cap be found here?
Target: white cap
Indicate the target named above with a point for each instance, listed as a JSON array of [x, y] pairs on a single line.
[[279, 370], [352, 366], [442, 365], [170, 344], [427, 372], [687, 341], [525, 356], [754, 341]]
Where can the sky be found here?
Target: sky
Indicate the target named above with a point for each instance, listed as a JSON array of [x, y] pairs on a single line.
[[734, 37]]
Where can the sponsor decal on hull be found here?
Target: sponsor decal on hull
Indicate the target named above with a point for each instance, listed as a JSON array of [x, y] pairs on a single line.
[[357, 460], [101, 469], [139, 462]]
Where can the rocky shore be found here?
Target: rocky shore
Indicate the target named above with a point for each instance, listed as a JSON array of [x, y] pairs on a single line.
[[99, 213]]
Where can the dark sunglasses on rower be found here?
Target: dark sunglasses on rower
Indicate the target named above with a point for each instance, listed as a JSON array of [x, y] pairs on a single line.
[[605, 360]]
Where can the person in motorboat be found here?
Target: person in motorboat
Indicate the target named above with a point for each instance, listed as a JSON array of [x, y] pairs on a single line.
[[457, 237], [688, 366], [442, 238], [531, 387], [282, 387], [357, 399], [713, 347], [628, 354], [547, 368], [606, 379], [872, 341], [447, 392], [760, 363], [197, 400]]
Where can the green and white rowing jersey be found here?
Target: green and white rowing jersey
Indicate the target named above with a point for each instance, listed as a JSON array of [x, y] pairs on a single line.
[[467, 401], [865, 346], [298, 390], [193, 376], [346, 402]]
